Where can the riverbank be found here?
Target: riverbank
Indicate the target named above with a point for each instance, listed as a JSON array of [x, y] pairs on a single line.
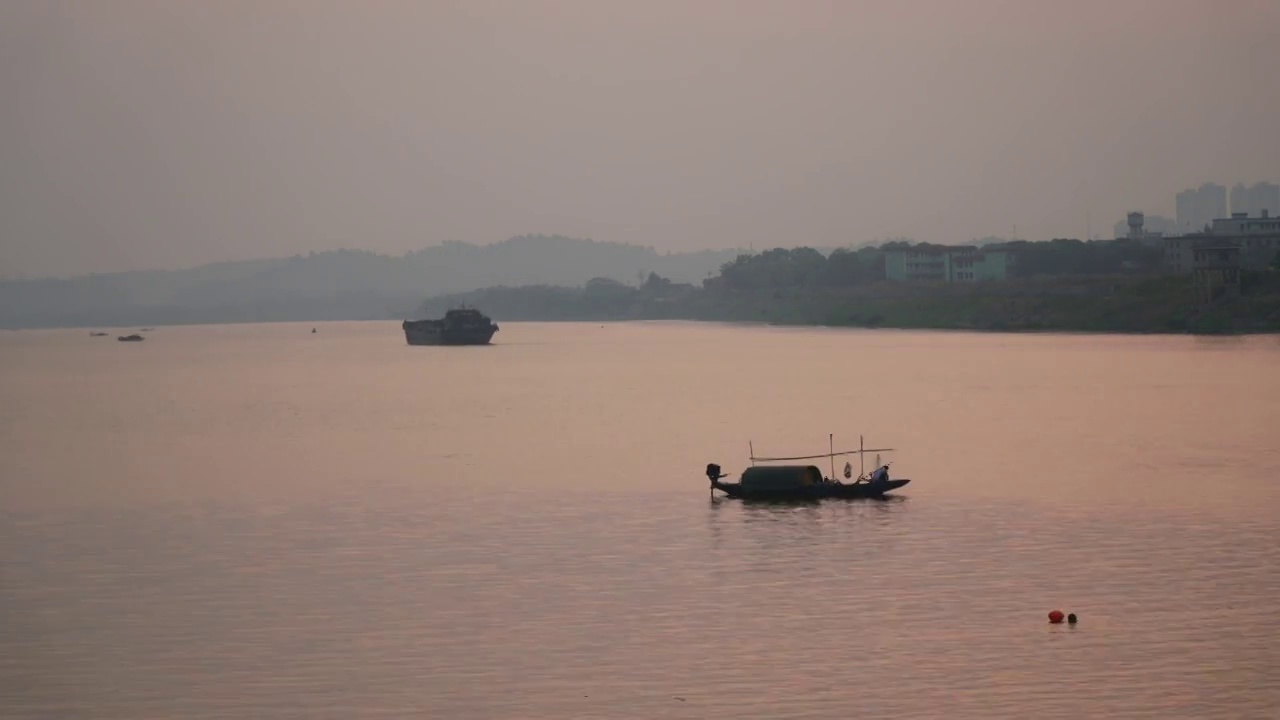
[[1108, 304]]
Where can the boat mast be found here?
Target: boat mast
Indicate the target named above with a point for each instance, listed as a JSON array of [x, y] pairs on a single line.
[[831, 448], [862, 463]]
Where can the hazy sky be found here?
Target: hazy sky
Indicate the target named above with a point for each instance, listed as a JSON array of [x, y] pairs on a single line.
[[142, 134]]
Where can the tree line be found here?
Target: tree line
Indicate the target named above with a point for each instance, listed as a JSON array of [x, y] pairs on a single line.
[[796, 267]]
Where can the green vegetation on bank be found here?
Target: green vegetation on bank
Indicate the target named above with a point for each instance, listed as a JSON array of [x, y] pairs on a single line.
[[1057, 285], [806, 267], [1102, 287]]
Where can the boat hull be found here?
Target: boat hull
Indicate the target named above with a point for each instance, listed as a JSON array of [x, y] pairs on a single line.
[[428, 333], [812, 492]]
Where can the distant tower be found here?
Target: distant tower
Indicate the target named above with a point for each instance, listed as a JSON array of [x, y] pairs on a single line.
[[1135, 225], [1253, 200], [1198, 207]]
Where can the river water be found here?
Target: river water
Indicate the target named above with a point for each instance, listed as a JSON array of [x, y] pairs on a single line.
[[259, 521]]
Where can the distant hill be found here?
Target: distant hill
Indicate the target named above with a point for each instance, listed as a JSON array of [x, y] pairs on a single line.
[[339, 285]]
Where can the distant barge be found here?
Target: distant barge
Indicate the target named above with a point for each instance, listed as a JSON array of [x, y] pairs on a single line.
[[460, 326]]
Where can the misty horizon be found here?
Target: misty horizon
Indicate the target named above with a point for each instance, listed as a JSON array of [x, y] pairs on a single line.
[[530, 238], [145, 135]]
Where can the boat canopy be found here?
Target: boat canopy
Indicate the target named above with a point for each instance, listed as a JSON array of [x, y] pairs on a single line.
[[831, 455], [780, 477]]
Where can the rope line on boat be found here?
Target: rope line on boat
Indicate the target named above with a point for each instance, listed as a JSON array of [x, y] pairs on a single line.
[[824, 455]]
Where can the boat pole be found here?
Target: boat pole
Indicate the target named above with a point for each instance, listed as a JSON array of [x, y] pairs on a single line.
[[831, 449], [862, 464], [752, 448]]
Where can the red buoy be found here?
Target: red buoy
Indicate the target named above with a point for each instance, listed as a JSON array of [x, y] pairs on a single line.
[[1055, 616]]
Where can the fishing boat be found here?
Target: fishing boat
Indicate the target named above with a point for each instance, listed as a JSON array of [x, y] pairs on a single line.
[[805, 481]]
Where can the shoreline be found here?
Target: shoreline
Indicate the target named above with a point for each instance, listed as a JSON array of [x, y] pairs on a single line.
[[1141, 305], [1110, 305], [111, 330]]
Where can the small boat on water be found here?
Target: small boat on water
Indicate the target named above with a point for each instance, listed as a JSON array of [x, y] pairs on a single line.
[[131, 338], [806, 482]]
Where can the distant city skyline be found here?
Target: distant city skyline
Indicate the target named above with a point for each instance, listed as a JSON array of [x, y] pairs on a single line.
[[1256, 199], [1195, 208], [137, 134]]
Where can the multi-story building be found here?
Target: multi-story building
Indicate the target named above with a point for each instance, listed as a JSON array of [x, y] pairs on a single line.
[[1241, 224], [1198, 207], [1256, 238], [1215, 268], [960, 263], [1256, 199]]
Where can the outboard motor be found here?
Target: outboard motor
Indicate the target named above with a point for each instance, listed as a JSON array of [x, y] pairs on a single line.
[[713, 474]]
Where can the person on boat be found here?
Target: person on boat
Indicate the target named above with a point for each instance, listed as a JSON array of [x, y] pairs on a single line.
[[881, 474]]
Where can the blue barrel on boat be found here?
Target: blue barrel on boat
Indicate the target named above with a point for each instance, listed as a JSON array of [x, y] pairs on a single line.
[[780, 478]]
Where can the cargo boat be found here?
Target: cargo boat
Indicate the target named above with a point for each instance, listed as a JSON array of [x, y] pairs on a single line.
[[460, 326]]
